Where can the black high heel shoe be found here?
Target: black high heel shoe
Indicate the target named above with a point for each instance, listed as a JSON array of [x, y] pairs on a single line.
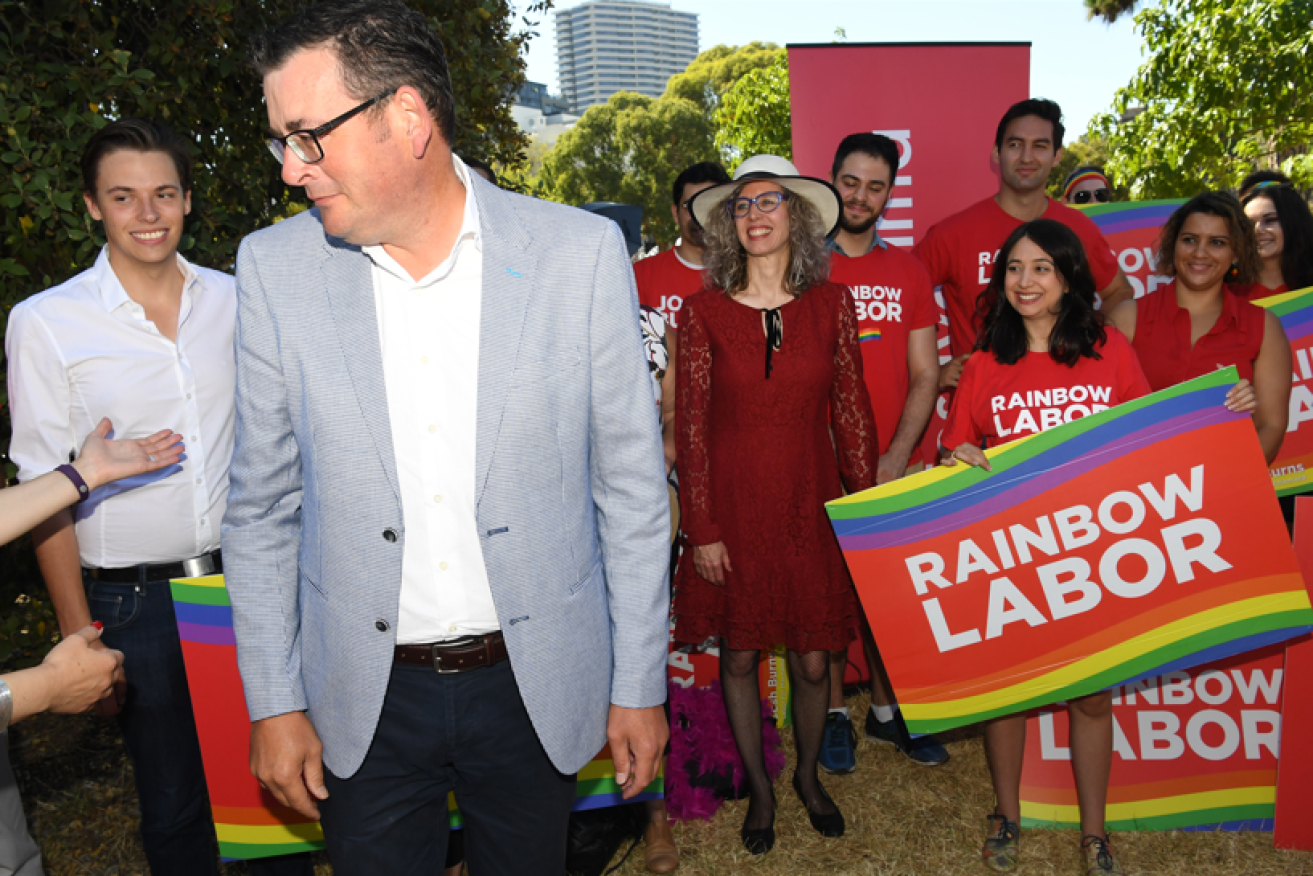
[[828, 824], [761, 840]]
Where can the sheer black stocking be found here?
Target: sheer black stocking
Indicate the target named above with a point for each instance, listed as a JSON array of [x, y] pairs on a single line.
[[738, 681], [809, 673]]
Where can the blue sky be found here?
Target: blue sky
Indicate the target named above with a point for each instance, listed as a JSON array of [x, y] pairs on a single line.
[[1076, 62]]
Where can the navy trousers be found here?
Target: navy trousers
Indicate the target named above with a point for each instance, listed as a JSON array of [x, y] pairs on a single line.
[[466, 732]]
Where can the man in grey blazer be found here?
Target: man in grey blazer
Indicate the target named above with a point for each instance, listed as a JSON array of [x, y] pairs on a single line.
[[446, 454]]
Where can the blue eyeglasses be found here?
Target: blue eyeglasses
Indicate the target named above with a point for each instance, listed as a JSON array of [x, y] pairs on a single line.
[[767, 202]]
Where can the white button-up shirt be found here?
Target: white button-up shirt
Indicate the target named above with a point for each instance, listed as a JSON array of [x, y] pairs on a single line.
[[429, 333], [85, 350]]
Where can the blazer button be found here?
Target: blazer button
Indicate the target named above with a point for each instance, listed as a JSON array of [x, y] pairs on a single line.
[[381, 626], [389, 535]]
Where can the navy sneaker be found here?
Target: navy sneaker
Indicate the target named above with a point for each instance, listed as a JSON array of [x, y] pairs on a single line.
[[839, 746], [924, 750]]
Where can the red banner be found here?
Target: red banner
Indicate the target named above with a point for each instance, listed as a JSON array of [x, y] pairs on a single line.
[[940, 102], [1294, 827]]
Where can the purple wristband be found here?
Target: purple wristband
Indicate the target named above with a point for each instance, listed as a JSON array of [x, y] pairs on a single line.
[[71, 473]]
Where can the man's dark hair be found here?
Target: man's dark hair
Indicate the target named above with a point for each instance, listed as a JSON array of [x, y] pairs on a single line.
[[874, 145], [381, 45], [1079, 331], [696, 174], [476, 164], [1261, 176], [1034, 106], [1296, 229], [136, 135], [1244, 243]]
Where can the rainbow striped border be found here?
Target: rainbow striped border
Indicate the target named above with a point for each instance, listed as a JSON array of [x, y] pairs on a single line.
[[1131, 215], [1220, 623]]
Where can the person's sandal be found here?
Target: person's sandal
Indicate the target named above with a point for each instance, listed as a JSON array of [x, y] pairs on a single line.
[[1002, 845], [1099, 860], [659, 852]]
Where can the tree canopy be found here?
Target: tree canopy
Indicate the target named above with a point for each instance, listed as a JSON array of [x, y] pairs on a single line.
[[714, 72], [1225, 90], [629, 150], [753, 116]]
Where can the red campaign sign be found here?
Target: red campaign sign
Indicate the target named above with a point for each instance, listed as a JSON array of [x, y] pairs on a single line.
[[1191, 749], [700, 666], [1131, 229], [1294, 827]]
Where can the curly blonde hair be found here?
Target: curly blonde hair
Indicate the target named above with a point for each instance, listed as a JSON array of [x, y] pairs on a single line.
[[726, 261]]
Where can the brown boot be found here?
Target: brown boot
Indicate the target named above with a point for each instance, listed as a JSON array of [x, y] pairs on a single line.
[[660, 854]]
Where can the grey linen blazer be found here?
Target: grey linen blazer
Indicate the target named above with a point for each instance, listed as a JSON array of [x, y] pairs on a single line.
[[572, 508]]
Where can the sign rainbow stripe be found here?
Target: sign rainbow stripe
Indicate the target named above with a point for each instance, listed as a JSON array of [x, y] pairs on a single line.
[[248, 821], [1122, 216], [1292, 470], [1081, 461]]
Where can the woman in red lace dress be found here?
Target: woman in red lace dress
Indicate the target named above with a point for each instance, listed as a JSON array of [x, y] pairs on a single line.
[[769, 368]]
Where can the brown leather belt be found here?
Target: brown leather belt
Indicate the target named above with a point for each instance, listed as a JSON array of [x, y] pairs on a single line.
[[459, 655]]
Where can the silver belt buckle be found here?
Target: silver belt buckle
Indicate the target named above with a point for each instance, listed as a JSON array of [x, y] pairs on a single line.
[[437, 648], [198, 567]]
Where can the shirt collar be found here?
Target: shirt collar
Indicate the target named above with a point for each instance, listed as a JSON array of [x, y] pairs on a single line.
[[469, 231], [876, 241], [683, 261], [113, 295]]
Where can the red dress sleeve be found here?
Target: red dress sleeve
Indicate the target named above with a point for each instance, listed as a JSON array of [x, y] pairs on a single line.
[[851, 417], [961, 427], [693, 401]]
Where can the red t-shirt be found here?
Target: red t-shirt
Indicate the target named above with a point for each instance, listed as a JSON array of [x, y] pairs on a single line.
[[1162, 338], [1257, 291], [664, 281], [995, 404], [893, 298], [959, 254]]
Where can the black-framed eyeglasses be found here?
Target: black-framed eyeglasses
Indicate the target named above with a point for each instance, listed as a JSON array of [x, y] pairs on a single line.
[[1084, 197], [305, 143], [767, 202]]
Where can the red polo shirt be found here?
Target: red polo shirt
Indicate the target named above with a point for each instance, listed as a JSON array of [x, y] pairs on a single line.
[[1162, 338], [959, 254]]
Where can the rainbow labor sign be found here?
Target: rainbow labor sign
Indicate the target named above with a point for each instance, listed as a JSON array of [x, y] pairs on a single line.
[[1131, 229], [1136, 541], [1192, 748], [1292, 470], [249, 822]]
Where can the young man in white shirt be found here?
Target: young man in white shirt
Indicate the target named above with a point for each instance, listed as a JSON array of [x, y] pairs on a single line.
[[145, 339]]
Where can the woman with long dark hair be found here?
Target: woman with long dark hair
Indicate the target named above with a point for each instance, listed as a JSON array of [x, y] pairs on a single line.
[[1283, 229], [1042, 341], [1197, 323], [770, 368]]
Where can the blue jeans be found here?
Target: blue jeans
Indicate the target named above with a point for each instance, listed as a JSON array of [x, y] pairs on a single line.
[[159, 731]]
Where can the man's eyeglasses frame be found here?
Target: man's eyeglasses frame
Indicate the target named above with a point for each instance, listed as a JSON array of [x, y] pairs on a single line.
[[298, 140]]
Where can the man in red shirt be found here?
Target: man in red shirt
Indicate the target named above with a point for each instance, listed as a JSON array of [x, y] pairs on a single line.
[[665, 280], [959, 252], [896, 316]]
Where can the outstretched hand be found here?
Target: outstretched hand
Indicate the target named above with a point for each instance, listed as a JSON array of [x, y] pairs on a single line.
[[102, 460]]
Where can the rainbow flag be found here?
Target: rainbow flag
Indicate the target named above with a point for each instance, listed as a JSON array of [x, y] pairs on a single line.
[[1121, 216], [868, 335], [1292, 470], [249, 822], [1118, 546]]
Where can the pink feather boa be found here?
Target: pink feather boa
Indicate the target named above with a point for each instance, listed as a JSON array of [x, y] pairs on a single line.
[[701, 743]]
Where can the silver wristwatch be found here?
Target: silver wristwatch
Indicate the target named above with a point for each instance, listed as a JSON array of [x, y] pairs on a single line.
[[6, 706]]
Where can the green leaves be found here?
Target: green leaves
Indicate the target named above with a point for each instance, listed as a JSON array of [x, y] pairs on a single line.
[[1225, 89], [753, 116]]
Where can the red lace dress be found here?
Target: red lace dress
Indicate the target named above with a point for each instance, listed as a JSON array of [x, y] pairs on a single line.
[[757, 464]]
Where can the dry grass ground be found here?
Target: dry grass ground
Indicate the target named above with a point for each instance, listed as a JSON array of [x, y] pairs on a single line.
[[902, 819]]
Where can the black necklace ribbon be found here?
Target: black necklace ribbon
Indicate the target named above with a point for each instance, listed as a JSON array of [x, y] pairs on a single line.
[[773, 322]]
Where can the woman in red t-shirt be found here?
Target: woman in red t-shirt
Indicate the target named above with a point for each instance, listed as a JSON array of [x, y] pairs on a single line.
[[1197, 324], [1284, 229], [1044, 357]]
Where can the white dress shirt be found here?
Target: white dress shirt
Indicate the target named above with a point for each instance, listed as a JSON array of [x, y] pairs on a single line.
[[429, 334], [85, 350]]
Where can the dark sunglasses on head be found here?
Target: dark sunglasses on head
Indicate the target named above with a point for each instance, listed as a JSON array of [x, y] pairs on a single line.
[[1084, 197]]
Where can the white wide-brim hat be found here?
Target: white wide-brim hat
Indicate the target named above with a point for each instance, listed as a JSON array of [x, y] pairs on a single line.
[[818, 192]]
